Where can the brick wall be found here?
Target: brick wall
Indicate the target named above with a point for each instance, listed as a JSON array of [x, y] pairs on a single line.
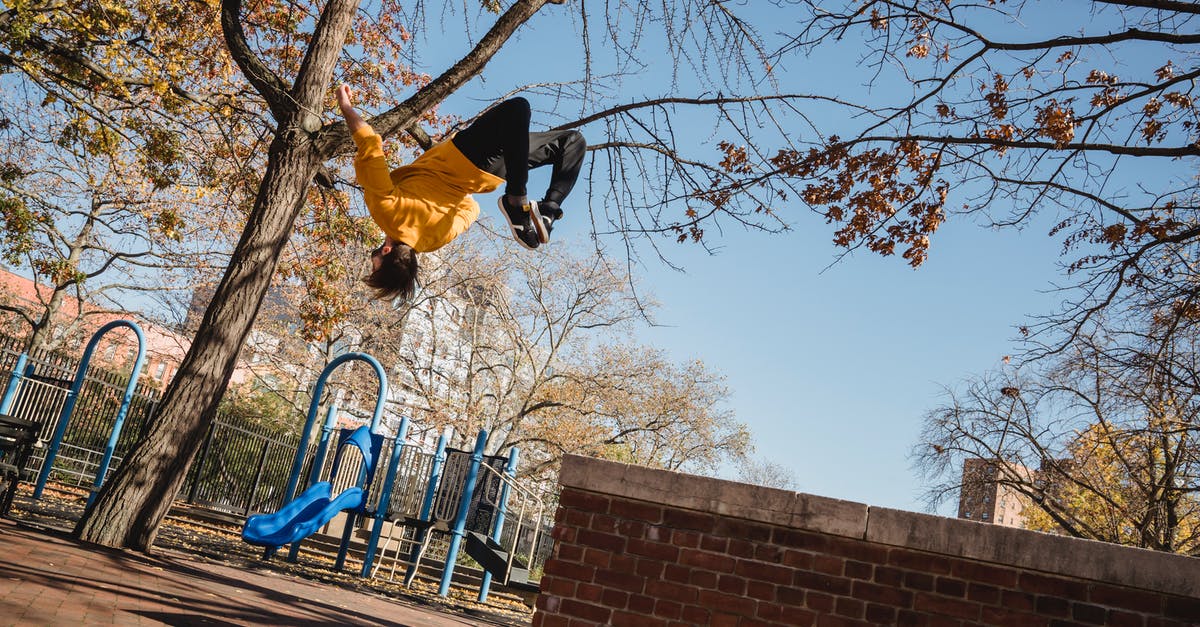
[[636, 546]]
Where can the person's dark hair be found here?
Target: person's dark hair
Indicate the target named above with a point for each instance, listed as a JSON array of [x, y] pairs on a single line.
[[397, 273]]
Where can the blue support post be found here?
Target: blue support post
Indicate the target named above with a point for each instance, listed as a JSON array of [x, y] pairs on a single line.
[[460, 521], [73, 396], [14, 382], [498, 524], [435, 475], [385, 499]]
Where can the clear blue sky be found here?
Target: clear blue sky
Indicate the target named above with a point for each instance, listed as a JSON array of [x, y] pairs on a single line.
[[832, 369]]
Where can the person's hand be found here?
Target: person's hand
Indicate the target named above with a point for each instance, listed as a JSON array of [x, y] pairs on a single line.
[[345, 99]]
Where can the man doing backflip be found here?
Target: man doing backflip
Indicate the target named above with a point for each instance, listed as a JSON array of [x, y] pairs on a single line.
[[424, 205]]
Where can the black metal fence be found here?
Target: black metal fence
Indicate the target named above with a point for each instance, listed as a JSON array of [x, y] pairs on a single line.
[[242, 466]]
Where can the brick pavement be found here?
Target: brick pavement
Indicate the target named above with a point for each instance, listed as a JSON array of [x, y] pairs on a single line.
[[47, 578]]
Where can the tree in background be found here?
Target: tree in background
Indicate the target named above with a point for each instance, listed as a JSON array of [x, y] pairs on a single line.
[[1101, 441]]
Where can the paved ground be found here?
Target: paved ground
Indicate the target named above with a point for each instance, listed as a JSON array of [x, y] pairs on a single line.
[[47, 578]]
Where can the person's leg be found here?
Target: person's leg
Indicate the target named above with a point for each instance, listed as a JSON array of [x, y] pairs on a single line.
[[564, 150], [498, 142]]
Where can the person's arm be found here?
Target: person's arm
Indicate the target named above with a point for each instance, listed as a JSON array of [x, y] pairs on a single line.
[[345, 100]]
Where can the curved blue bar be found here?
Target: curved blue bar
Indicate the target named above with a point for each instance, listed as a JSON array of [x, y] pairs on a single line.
[[73, 395], [460, 521]]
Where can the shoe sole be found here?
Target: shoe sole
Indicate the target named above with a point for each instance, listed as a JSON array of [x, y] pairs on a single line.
[[516, 230], [539, 225]]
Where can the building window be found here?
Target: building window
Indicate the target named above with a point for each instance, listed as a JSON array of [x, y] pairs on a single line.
[[984, 516], [162, 369], [966, 514]]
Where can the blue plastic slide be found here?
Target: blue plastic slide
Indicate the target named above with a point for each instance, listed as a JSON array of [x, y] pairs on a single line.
[[300, 518], [313, 508]]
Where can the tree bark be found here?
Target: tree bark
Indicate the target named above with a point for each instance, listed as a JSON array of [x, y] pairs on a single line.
[[130, 507]]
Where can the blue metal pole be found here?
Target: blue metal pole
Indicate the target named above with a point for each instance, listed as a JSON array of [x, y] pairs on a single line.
[[111, 445], [14, 381], [435, 473], [460, 521], [498, 524], [73, 395], [381, 509]]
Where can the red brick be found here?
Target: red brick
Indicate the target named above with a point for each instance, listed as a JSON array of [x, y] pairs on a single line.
[[769, 611], [1008, 616], [824, 583], [914, 560], [828, 564], [588, 501], [1053, 606], [664, 552], [880, 614], [1181, 608], [888, 576], [724, 620], [796, 539], [857, 550], [822, 603], [765, 572], [650, 568], [703, 579], [1125, 598], [623, 563], [604, 523], [695, 615], [909, 618], [656, 533], [707, 561], [918, 581], [886, 595], [632, 529], [564, 533], [727, 603], [638, 510], [935, 604], [620, 580], [597, 557], [769, 553], [791, 596], [1088, 613], [983, 573], [1052, 586], [741, 548], [1022, 601], [798, 616], [541, 619], [573, 517], [615, 599], [568, 552], [760, 590], [586, 611], [569, 570], [630, 619], [850, 608], [710, 542], [950, 587], [664, 590], [830, 620], [668, 609], [687, 519], [1117, 618], [731, 584], [558, 586], [679, 574], [798, 559], [641, 604], [604, 541], [858, 570], [735, 528], [685, 539], [591, 593]]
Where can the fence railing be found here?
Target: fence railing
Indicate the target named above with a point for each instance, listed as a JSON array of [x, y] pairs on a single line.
[[241, 468]]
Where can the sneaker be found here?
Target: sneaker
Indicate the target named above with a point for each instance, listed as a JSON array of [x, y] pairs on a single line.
[[550, 212], [520, 220]]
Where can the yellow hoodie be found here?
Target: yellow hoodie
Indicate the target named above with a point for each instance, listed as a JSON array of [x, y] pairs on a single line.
[[426, 203]]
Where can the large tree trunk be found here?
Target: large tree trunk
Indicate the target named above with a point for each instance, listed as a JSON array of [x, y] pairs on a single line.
[[131, 506], [133, 503]]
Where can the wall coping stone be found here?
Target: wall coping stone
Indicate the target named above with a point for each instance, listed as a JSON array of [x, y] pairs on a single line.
[[1021, 548]]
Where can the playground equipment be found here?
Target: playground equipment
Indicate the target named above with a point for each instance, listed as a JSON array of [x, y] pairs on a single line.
[[466, 498], [18, 374], [312, 509]]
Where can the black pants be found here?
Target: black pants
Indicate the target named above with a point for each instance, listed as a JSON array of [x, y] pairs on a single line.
[[499, 142]]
